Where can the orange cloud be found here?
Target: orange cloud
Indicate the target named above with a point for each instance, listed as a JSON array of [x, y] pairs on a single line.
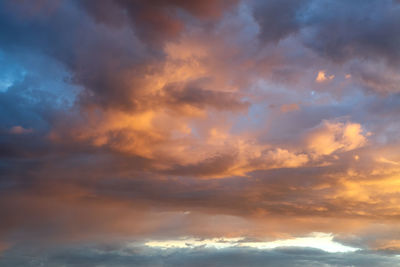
[[330, 137], [193, 113], [322, 77], [289, 107]]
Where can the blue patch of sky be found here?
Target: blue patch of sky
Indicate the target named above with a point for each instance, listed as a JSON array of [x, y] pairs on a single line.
[[10, 72], [32, 87], [38, 79]]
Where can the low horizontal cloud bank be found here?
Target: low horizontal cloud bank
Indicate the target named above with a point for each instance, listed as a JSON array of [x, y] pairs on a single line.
[[320, 241], [117, 255]]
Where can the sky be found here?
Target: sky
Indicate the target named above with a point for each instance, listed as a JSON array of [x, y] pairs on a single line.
[[199, 133]]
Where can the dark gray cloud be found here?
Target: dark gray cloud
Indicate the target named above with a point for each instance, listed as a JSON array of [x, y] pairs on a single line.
[[364, 35], [142, 256], [156, 20], [342, 30], [338, 30], [278, 19], [192, 94]]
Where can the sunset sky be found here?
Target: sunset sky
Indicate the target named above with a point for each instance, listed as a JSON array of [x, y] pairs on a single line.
[[199, 133]]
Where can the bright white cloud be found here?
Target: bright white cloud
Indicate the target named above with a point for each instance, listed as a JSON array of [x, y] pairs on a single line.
[[321, 241]]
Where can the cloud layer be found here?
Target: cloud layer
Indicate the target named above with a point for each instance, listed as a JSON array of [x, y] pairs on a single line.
[[132, 121]]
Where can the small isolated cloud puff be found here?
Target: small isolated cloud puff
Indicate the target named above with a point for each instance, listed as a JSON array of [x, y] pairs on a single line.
[[329, 137], [323, 77], [20, 130]]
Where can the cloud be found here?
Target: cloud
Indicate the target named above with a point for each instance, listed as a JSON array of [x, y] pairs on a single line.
[[123, 256], [316, 240], [155, 21], [353, 29], [20, 130], [129, 121], [330, 137], [321, 77], [289, 107], [277, 19], [179, 96]]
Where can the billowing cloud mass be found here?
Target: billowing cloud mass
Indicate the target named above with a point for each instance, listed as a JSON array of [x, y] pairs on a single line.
[[199, 133]]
